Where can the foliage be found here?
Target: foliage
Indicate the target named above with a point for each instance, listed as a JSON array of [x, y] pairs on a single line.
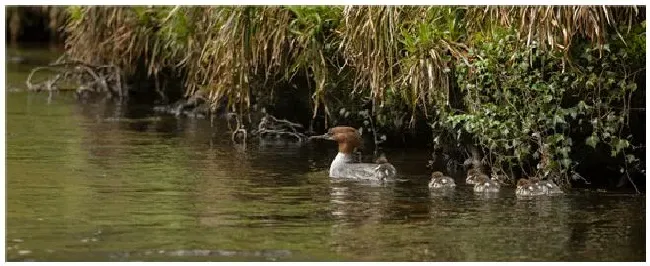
[[524, 107]]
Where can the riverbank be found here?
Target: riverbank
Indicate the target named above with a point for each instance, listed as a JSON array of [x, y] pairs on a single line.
[[526, 99]]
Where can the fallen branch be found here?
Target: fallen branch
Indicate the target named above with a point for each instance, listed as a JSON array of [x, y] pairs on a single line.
[[103, 78], [268, 125], [299, 136]]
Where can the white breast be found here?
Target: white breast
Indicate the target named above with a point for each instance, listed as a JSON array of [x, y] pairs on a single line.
[[343, 166], [339, 163]]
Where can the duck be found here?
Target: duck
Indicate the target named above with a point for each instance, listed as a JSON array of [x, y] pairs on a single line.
[[486, 185], [499, 178], [384, 168], [548, 186], [472, 175], [526, 187], [343, 165], [439, 181]]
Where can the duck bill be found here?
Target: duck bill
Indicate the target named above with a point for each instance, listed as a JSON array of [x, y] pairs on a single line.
[[324, 136]]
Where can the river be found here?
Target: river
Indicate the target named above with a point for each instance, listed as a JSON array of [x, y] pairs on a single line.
[[111, 182]]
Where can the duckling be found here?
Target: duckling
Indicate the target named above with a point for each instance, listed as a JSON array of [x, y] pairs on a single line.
[[501, 179], [548, 187], [485, 185], [472, 175], [527, 188], [384, 168], [438, 180], [381, 159]]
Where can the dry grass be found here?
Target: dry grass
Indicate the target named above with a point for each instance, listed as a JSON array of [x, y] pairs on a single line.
[[556, 26], [397, 54]]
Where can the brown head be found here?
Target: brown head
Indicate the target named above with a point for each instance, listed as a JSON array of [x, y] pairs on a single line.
[[523, 182], [348, 138], [436, 174], [342, 129]]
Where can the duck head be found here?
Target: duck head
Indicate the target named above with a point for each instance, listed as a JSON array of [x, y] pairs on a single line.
[[501, 179], [348, 138], [436, 174], [473, 172], [482, 179], [523, 182], [534, 180], [381, 159]]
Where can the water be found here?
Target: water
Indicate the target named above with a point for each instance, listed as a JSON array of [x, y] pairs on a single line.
[[105, 182]]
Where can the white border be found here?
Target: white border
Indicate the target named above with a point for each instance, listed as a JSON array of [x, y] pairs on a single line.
[[293, 2]]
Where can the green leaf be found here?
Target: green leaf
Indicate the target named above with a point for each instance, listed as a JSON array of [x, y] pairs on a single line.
[[592, 141], [573, 112], [621, 144], [631, 86], [548, 98], [565, 151]]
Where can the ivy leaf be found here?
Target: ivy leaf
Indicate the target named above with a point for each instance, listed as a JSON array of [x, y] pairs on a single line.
[[565, 151], [573, 112], [631, 87], [592, 141], [548, 98], [606, 135], [621, 144]]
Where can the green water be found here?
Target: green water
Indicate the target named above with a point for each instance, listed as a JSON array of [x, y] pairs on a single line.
[[105, 182]]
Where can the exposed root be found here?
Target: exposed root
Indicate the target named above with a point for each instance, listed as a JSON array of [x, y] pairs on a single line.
[[89, 78], [239, 132], [239, 135], [268, 127], [299, 136]]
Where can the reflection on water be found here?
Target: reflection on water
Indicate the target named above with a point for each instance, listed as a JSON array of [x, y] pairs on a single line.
[[105, 182]]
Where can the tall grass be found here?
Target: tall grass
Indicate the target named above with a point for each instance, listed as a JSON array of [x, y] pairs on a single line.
[[399, 57], [394, 51]]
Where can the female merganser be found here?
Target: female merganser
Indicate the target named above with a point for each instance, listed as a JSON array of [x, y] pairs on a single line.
[[527, 188], [485, 185], [472, 176], [438, 180], [343, 165]]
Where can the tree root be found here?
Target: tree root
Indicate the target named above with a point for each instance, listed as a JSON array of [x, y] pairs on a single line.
[[268, 127], [90, 78]]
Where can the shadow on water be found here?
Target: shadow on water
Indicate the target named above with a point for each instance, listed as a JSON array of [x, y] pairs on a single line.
[[110, 182]]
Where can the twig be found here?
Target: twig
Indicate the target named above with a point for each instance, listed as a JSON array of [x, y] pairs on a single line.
[[234, 133], [79, 69], [628, 175], [298, 136]]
